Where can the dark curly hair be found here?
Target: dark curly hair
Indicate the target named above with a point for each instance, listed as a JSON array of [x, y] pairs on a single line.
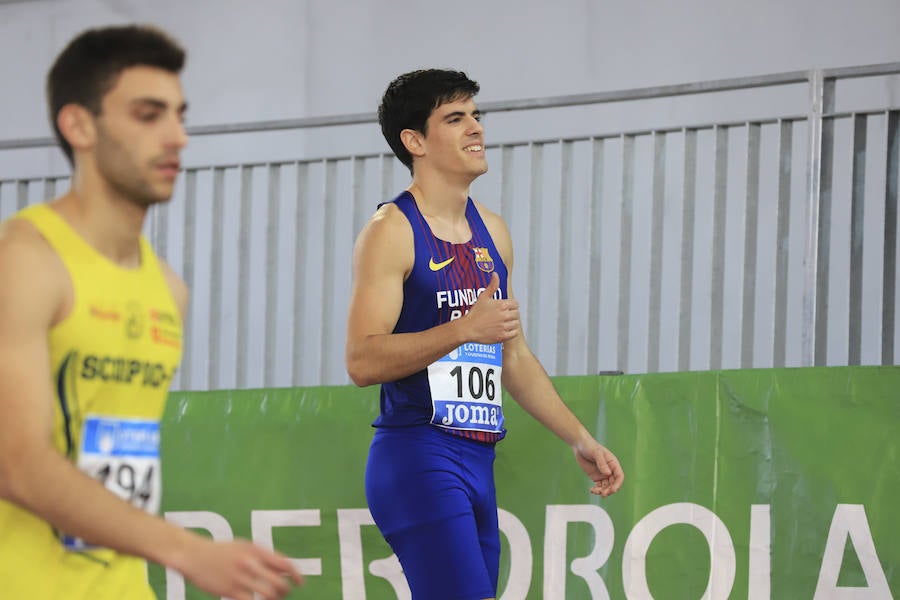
[[410, 98], [88, 67]]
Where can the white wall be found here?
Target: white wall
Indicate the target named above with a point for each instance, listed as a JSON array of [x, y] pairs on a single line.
[[277, 59]]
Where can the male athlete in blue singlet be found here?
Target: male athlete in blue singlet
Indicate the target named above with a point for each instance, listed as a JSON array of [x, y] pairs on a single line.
[[432, 318]]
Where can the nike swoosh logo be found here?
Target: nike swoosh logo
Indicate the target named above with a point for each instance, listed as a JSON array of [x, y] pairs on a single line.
[[438, 266]]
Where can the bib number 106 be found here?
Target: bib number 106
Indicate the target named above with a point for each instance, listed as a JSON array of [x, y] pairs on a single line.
[[476, 382]]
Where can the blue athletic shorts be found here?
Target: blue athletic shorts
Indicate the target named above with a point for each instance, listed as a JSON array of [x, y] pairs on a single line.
[[432, 496]]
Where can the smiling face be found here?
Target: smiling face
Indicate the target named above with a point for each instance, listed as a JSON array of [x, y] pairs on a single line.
[[453, 142], [139, 135]]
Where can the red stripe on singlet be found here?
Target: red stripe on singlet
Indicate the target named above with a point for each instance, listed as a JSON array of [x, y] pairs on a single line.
[[473, 277], [463, 274], [485, 437]]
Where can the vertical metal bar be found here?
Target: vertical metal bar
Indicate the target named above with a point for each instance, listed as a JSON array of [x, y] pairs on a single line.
[[534, 239], [857, 224], [717, 289], [889, 276], [818, 215], [160, 229], [824, 231], [299, 292], [49, 188], [783, 222], [215, 279], [687, 249], [190, 226], [751, 241], [21, 194], [328, 289], [151, 229], [360, 214], [565, 259], [272, 259], [595, 232], [243, 331], [624, 312], [656, 251], [506, 182], [387, 177]]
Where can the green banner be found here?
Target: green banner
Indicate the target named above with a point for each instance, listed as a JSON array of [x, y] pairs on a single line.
[[753, 484]]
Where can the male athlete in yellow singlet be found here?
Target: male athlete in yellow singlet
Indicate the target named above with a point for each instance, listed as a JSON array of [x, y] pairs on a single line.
[[90, 337]]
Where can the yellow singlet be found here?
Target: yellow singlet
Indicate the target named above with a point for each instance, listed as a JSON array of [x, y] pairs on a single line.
[[112, 360]]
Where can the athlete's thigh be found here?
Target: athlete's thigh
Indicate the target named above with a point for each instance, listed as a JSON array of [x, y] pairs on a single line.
[[443, 560], [413, 477], [419, 490]]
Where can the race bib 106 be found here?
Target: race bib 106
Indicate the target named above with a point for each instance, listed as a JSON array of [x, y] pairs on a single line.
[[465, 388]]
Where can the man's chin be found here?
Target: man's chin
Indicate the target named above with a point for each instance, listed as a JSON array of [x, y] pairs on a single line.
[[148, 200]]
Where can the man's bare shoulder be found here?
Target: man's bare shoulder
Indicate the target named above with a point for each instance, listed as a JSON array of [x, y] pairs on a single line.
[[388, 215], [490, 218], [385, 243], [27, 258], [388, 223], [483, 210], [40, 277], [22, 243], [494, 222]]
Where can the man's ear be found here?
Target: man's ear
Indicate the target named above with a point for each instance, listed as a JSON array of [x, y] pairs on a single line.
[[414, 142], [76, 123]]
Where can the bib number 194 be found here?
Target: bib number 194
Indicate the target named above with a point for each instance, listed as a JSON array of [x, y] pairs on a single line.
[[123, 455], [129, 482]]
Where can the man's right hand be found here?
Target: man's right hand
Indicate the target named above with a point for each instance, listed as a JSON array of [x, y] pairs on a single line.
[[490, 320], [238, 570]]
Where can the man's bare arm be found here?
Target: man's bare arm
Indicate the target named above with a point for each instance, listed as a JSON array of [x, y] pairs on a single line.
[[530, 386], [36, 477]]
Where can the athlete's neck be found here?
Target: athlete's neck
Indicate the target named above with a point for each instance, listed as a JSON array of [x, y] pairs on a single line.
[[440, 196], [445, 214], [108, 223]]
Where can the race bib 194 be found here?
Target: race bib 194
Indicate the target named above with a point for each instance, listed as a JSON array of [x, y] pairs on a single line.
[[465, 388], [123, 455]]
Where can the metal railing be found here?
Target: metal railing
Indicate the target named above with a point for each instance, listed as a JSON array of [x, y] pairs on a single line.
[[761, 242]]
